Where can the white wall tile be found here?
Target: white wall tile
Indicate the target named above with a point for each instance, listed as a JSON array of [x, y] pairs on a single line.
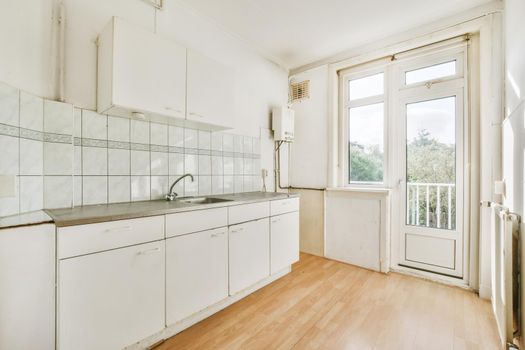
[[140, 188], [176, 136], [58, 191], [9, 159], [228, 168], [58, 117], [9, 106], [31, 157], [159, 163], [159, 187], [119, 189], [11, 205], [247, 144], [94, 125], [228, 184], [217, 184], [118, 129], [204, 140], [227, 143], [139, 131], [191, 165], [237, 184], [119, 162], [204, 185], [158, 134], [191, 139], [77, 160], [94, 161], [237, 143], [256, 146], [31, 193], [191, 188], [238, 166], [94, 190], [217, 165], [248, 166], [256, 183], [31, 111], [176, 163], [216, 141], [140, 163], [77, 191], [247, 183], [204, 165], [58, 158]]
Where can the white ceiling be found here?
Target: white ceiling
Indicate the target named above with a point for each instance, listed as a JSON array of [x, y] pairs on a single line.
[[297, 32]]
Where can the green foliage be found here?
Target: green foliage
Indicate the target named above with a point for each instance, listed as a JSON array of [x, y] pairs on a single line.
[[366, 163]]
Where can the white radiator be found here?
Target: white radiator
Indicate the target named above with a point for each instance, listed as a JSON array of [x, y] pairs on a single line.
[[506, 271]]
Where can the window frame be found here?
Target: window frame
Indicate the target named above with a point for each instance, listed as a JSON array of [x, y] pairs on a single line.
[[345, 76]]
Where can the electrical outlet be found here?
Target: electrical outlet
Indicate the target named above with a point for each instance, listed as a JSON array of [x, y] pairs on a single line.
[[7, 186]]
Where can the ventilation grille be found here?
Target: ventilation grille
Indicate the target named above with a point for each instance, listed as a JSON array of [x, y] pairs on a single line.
[[299, 91]]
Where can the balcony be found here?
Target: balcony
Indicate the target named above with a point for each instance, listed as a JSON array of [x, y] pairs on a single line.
[[431, 205]]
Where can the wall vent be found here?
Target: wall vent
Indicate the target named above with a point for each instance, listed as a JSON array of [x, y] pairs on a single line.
[[299, 91]]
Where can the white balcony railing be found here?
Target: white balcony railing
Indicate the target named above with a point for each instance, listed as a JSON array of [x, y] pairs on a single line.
[[431, 205]]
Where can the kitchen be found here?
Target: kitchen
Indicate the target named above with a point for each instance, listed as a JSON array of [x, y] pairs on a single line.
[[226, 174]]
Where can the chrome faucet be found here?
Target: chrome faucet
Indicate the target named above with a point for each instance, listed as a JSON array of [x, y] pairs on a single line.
[[172, 195]]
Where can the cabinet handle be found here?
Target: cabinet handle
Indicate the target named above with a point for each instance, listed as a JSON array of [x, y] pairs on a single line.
[[173, 109], [149, 251], [120, 228], [196, 115], [215, 234], [275, 220], [238, 230]]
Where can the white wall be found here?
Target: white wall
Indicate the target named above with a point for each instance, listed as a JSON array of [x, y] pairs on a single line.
[[514, 133]]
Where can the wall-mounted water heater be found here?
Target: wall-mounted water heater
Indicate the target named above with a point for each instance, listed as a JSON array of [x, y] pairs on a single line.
[[283, 124]]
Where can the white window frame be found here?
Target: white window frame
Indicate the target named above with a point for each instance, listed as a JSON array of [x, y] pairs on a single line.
[[345, 76]]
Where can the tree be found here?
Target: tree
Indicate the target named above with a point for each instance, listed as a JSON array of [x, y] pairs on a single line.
[[366, 163]]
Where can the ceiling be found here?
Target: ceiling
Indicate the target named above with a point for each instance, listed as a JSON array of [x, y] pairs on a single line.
[[298, 32]]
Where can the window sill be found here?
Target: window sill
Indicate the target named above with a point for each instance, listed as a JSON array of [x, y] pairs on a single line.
[[381, 190]]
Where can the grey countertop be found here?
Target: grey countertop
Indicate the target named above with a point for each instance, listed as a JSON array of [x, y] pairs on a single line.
[[25, 219], [120, 211]]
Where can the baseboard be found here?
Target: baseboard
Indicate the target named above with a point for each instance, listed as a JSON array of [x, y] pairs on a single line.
[[178, 327]]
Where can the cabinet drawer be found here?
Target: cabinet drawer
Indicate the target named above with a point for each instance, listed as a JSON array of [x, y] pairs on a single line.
[[196, 220], [248, 212], [282, 206], [91, 238]]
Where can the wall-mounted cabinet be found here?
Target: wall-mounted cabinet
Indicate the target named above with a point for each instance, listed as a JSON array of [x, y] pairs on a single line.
[[210, 92], [139, 71]]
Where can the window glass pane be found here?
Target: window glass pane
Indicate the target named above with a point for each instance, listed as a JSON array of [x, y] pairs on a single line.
[[432, 72], [366, 87], [366, 143], [431, 163]]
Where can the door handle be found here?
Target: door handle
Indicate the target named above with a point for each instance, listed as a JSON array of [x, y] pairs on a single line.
[[173, 109], [120, 228], [238, 230], [196, 115], [216, 234]]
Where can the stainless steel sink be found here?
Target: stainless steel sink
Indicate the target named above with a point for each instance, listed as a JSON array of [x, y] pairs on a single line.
[[203, 200]]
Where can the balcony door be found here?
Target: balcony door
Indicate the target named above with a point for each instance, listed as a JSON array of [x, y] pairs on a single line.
[[430, 158]]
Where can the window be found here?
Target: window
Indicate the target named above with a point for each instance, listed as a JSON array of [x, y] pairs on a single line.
[[436, 71], [365, 114]]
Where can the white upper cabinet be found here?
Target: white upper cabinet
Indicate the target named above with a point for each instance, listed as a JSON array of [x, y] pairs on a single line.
[[210, 92], [139, 71]]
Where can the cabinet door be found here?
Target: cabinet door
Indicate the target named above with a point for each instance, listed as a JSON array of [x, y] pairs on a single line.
[[112, 299], [284, 240], [146, 73], [249, 254], [210, 91], [196, 272]]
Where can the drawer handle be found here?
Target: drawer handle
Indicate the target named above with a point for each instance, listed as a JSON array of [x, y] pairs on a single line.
[[238, 230], [275, 220], [120, 228], [216, 234], [196, 115], [173, 109], [149, 251]]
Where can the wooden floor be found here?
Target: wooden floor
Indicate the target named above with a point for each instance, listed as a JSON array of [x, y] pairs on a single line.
[[325, 304]]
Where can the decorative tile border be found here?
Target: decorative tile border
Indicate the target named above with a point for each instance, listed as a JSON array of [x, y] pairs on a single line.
[[57, 138]]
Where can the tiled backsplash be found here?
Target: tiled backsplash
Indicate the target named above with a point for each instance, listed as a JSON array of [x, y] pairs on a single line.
[[64, 156]]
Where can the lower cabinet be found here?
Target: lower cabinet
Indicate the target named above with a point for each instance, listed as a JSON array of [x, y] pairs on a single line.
[[196, 272], [284, 238], [111, 299], [249, 246]]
